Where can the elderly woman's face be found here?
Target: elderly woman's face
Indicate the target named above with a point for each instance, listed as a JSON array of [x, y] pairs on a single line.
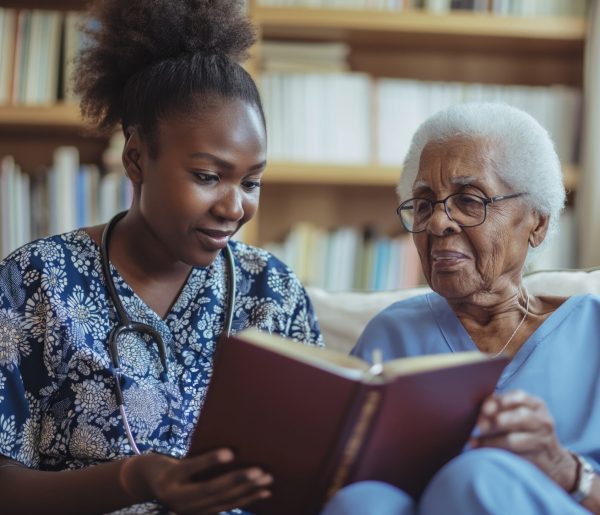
[[462, 261]]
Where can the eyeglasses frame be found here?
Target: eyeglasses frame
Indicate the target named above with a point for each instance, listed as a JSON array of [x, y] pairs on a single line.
[[486, 201]]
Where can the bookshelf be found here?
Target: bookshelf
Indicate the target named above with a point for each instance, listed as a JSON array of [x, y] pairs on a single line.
[[378, 25], [457, 46], [58, 116]]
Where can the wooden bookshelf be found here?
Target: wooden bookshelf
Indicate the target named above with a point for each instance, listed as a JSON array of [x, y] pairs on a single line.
[[352, 25], [458, 46], [315, 173], [352, 175], [59, 5], [50, 117], [32, 133]]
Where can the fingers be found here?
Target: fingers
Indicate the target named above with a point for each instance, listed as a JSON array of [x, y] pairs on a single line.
[[512, 399], [202, 463], [177, 485], [515, 421], [514, 411], [521, 418], [228, 483], [521, 423], [231, 490], [523, 443]]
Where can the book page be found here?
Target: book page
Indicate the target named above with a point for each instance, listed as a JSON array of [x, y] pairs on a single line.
[[337, 362], [411, 365]]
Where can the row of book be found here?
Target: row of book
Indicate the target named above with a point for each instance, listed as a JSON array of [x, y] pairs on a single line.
[[348, 258], [352, 118], [510, 7], [72, 195], [68, 196], [37, 53], [499, 7]]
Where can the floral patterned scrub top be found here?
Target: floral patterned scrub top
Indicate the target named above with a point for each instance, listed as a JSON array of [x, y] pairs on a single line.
[[57, 400]]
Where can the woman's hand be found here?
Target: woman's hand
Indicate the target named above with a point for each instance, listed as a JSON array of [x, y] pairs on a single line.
[[520, 423], [171, 482]]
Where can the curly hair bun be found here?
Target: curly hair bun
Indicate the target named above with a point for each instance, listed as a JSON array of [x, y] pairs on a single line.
[[127, 36]]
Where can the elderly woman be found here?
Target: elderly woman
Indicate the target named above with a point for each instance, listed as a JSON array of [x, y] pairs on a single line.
[[481, 190]]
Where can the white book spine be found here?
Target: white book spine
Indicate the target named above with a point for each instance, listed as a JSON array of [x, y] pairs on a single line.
[[66, 166]]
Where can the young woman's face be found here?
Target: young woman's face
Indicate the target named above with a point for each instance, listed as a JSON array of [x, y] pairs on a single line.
[[204, 183]]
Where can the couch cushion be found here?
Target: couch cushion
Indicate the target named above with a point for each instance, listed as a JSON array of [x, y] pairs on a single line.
[[343, 315], [563, 282]]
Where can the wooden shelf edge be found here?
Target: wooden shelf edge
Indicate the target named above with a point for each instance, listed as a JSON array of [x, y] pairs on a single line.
[[333, 174], [355, 175], [50, 116], [455, 23], [62, 5]]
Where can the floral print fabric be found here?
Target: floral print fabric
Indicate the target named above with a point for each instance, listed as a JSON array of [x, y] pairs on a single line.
[[57, 399]]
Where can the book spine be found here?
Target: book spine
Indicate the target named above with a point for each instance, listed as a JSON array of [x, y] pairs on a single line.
[[357, 435]]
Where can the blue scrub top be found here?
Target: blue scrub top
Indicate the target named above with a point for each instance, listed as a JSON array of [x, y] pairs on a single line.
[[559, 362]]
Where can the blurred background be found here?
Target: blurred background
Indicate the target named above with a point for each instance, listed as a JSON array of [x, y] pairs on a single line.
[[345, 83]]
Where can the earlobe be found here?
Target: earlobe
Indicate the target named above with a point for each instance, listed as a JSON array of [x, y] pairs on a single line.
[[537, 235], [131, 157]]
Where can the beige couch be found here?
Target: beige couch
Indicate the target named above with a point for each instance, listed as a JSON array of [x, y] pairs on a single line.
[[344, 315]]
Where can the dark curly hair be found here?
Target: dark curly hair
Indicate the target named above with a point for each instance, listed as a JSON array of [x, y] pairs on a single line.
[[150, 58]]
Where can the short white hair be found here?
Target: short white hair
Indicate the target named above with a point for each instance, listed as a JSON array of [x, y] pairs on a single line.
[[523, 153]]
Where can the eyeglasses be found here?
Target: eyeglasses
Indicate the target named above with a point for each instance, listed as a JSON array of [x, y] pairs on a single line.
[[466, 209]]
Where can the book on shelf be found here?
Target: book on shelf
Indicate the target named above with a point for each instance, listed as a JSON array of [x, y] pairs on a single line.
[[37, 57], [318, 117], [498, 7], [318, 419], [557, 108], [15, 211], [72, 44], [8, 28], [62, 182], [277, 56], [351, 118], [347, 258], [68, 196]]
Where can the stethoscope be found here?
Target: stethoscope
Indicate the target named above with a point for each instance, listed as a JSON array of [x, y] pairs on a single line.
[[126, 325]]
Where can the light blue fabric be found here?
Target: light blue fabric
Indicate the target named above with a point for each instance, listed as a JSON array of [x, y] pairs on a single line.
[[559, 363], [494, 481], [370, 498]]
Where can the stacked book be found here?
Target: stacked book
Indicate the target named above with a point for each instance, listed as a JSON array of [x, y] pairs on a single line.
[[349, 118], [68, 196], [498, 7], [37, 53], [348, 258]]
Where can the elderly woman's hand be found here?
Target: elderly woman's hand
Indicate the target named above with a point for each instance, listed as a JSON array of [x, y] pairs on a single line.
[[520, 423]]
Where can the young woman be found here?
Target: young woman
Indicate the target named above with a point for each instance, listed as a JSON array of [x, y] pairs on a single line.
[[107, 333]]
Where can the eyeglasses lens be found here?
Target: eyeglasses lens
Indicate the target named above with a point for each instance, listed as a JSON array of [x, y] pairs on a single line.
[[465, 209]]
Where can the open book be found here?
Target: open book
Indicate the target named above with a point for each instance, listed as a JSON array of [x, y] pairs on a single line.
[[318, 419]]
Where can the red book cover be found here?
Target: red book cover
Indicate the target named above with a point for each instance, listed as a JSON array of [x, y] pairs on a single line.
[[317, 419]]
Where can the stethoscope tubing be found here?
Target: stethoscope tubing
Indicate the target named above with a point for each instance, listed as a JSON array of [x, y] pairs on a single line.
[[124, 323]]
